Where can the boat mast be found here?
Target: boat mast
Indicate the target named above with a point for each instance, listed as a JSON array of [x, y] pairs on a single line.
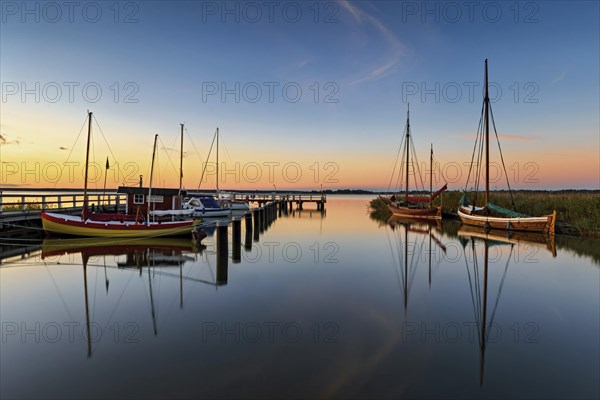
[[181, 162], [431, 176], [151, 173], [486, 102], [217, 162], [87, 159], [87, 307], [407, 147], [483, 325]]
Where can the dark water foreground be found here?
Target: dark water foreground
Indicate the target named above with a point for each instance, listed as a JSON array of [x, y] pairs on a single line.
[[334, 305]]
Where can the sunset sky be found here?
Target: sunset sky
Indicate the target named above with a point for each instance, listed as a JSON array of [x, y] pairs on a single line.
[[304, 93]]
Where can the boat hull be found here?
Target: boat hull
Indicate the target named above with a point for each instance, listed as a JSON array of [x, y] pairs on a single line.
[[510, 237], [70, 225], [214, 213], [418, 213], [543, 224]]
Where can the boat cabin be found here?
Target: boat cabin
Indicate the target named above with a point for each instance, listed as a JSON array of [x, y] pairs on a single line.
[[161, 199]]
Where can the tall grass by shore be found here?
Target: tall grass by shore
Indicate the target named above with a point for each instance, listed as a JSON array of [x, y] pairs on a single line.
[[579, 209]]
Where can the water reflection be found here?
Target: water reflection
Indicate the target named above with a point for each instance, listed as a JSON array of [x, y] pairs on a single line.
[[349, 312], [471, 239], [152, 254], [411, 234]]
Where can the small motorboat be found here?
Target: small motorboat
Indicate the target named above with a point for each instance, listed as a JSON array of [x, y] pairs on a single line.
[[206, 207]]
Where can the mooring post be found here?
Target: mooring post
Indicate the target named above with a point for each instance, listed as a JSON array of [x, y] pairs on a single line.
[[263, 219], [270, 217], [248, 238], [256, 216], [236, 228], [248, 221], [222, 249]]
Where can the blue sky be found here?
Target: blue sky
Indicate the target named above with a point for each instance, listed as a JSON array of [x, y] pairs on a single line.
[[372, 57]]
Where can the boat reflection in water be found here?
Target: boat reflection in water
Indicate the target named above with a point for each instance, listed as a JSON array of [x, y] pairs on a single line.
[[473, 237], [411, 234], [152, 254]]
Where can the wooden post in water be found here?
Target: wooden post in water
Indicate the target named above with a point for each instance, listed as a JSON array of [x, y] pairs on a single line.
[[222, 250], [263, 221], [256, 216], [248, 238], [236, 228]]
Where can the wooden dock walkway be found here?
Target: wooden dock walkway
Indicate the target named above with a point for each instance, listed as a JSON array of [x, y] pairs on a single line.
[[22, 207]]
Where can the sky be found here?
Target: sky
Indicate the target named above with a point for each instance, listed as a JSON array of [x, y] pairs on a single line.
[[305, 94]]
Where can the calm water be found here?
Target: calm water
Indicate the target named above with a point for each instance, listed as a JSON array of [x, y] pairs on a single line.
[[334, 305]]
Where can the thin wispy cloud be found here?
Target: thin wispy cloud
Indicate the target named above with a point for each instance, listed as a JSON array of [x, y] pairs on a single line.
[[504, 137], [559, 77], [396, 49], [5, 141]]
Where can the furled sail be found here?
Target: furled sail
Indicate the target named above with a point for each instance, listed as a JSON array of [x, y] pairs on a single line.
[[505, 212]]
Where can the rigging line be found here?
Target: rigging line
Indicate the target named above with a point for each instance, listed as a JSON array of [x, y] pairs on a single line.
[[170, 307], [401, 262], [471, 290], [62, 299], [399, 180], [95, 291], [226, 152], [70, 152], [119, 299], [437, 162], [207, 158], [512, 200], [418, 169], [476, 274], [474, 147], [193, 144], [479, 163], [109, 148], [414, 269], [395, 163], [35, 241], [168, 157], [94, 160], [501, 285], [393, 257]]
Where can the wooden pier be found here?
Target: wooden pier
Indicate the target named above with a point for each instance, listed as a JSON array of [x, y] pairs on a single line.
[[22, 207], [262, 198], [18, 206]]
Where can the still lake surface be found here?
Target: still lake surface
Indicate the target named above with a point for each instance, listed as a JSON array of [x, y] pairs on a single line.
[[337, 304]]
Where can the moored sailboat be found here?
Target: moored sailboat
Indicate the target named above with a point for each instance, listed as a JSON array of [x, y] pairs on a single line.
[[491, 216], [420, 207], [112, 225]]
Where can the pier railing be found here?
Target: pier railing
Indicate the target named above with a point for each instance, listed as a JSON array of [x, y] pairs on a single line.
[[38, 201]]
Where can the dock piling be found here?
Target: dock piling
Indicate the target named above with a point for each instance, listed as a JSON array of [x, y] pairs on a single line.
[[236, 232], [222, 250]]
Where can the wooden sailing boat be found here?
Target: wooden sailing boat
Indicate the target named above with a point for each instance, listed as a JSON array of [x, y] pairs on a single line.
[[501, 218], [112, 225], [415, 206]]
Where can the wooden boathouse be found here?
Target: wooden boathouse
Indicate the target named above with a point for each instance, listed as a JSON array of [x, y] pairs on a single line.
[[161, 199]]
